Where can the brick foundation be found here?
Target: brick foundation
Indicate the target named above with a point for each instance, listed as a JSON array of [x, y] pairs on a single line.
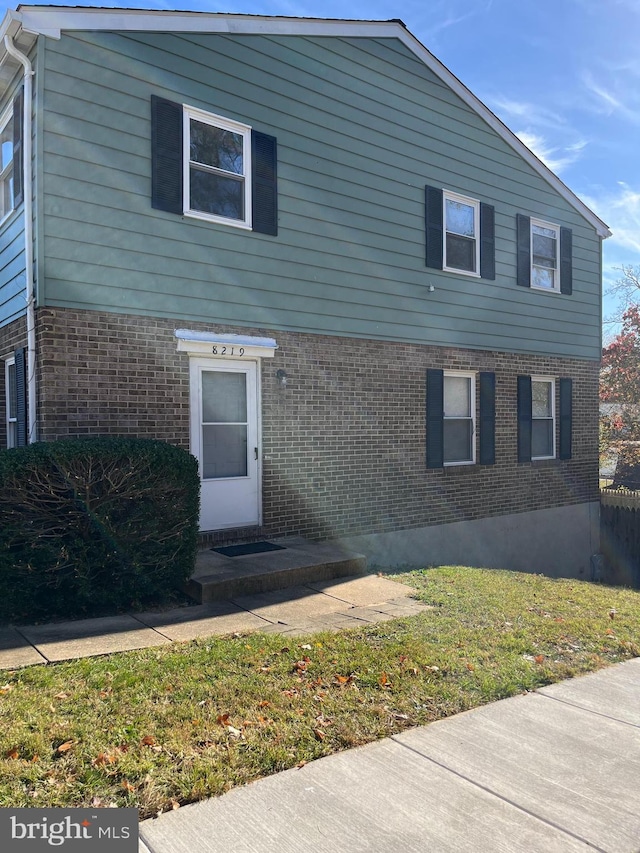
[[343, 440]]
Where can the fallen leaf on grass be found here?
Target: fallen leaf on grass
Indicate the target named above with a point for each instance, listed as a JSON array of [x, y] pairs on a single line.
[[384, 681], [65, 747], [127, 785], [104, 758], [264, 704], [148, 740], [12, 753], [6, 688], [470, 667], [539, 658], [222, 719], [61, 695], [319, 734]]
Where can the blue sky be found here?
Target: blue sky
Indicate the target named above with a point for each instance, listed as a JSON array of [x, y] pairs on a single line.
[[564, 75]]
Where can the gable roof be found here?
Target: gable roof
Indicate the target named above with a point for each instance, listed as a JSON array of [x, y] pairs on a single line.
[[27, 22]]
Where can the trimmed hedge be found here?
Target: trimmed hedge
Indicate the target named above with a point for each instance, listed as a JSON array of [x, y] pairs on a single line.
[[94, 525]]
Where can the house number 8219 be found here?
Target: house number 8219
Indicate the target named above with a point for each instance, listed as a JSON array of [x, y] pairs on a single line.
[[218, 350]]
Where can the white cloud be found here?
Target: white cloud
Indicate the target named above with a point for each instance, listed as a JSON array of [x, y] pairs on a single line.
[[621, 211], [533, 114], [555, 158], [614, 98]]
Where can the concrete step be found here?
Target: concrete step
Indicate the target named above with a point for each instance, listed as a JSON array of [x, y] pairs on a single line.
[[218, 577]]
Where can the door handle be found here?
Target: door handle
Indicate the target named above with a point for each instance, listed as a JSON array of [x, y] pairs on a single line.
[[255, 450]]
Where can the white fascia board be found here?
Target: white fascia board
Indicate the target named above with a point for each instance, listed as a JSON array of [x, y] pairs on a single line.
[[51, 21]]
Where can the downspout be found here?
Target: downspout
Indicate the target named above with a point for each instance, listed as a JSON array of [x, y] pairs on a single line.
[[27, 183]]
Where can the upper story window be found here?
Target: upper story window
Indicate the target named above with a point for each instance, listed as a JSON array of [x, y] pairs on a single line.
[[213, 168], [459, 418], [545, 248], [11, 390], [461, 233], [217, 162], [543, 430], [7, 198]]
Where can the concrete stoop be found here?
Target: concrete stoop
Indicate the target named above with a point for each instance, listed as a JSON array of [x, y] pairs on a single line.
[[218, 577]]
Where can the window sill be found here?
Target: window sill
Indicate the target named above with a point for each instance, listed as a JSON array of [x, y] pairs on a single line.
[[467, 273], [219, 220], [545, 289]]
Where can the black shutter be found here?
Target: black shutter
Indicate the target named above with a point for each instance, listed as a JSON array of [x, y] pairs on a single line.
[[435, 418], [487, 241], [566, 417], [524, 418], [18, 156], [487, 418], [433, 227], [21, 397], [566, 261], [523, 243], [166, 155], [264, 183]]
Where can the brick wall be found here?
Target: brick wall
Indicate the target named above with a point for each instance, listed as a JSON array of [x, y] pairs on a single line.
[[12, 336], [343, 439]]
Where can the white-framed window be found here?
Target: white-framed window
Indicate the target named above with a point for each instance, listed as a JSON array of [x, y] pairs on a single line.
[[217, 168], [545, 253], [6, 163], [11, 392], [543, 415], [461, 251], [459, 428]]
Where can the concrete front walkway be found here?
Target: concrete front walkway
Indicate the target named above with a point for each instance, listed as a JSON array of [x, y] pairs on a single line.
[[322, 606], [555, 771]]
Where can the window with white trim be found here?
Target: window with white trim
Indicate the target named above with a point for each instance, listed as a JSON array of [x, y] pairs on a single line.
[[217, 163], [11, 391], [543, 418], [7, 201], [459, 418], [545, 252], [461, 251]]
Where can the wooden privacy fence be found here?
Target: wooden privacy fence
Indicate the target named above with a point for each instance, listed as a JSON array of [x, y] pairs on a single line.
[[620, 536]]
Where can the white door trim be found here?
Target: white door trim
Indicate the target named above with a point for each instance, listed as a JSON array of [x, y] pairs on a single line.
[[211, 351]]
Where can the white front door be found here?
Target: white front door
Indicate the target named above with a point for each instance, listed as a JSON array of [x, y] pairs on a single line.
[[224, 438]]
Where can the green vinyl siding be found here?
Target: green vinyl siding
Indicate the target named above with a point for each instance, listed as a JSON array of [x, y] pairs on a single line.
[[362, 125], [12, 264]]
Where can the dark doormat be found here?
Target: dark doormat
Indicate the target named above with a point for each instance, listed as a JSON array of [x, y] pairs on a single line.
[[248, 548]]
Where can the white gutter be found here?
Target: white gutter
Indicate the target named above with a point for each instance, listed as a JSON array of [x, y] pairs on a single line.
[[27, 188]]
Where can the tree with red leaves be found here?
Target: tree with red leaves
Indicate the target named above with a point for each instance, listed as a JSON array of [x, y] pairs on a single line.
[[620, 390]]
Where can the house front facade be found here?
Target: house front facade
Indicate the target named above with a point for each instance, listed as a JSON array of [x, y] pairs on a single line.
[[303, 250]]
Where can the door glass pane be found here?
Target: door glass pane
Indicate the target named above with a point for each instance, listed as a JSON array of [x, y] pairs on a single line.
[[224, 451], [456, 397], [457, 440], [541, 438], [224, 397]]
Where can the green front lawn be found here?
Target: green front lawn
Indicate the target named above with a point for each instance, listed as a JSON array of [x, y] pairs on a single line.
[[163, 727]]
